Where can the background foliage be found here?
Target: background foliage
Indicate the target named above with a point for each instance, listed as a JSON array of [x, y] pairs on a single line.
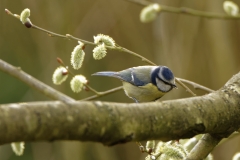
[[202, 50]]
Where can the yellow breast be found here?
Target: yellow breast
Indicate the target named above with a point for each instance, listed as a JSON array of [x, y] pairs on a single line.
[[145, 93]]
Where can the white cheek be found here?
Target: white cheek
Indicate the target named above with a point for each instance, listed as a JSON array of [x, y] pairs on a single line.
[[162, 86]]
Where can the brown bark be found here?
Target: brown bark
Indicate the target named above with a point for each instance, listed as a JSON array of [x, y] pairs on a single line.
[[112, 123]]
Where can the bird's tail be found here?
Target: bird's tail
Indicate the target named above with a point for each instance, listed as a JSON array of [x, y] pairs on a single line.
[[106, 73]]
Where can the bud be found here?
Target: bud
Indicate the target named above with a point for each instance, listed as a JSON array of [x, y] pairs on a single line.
[[18, 148], [173, 152], [77, 83], [24, 17], [100, 38], [163, 157], [149, 13], [59, 60], [28, 24], [77, 56], [60, 75], [160, 144], [7, 11], [99, 52], [230, 8], [150, 146], [236, 156]]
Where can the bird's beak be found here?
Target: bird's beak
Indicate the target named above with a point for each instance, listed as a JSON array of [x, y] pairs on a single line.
[[174, 86]]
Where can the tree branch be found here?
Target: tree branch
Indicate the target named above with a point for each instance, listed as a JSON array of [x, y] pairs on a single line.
[[204, 146], [111, 123], [196, 86], [104, 93], [188, 11], [33, 82]]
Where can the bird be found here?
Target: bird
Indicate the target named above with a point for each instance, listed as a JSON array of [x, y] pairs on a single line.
[[144, 83]]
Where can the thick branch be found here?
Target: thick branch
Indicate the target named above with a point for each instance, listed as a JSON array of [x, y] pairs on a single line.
[[112, 123]]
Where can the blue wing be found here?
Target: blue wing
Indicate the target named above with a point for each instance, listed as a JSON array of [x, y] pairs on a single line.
[[123, 75], [138, 76]]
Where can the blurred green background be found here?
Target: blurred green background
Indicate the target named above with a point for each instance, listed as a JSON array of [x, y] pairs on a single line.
[[203, 50]]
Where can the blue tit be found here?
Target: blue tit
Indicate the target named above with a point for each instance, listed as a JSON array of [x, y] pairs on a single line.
[[144, 83]]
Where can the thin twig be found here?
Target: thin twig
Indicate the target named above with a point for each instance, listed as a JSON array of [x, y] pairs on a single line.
[[188, 11], [193, 12], [103, 93], [122, 49], [196, 86], [93, 90], [184, 86]]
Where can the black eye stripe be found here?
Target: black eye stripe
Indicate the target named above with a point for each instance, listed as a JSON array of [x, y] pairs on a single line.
[[164, 81], [163, 86]]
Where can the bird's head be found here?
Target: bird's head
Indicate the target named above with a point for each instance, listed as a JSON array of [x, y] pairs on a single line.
[[163, 78]]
